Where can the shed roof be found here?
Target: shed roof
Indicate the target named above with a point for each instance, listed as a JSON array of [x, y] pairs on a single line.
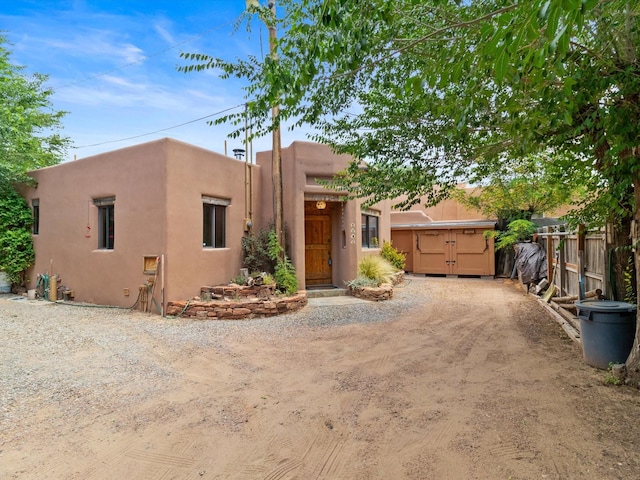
[[439, 225]]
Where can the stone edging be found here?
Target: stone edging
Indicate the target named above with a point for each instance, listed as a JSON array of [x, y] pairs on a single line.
[[236, 310], [381, 293]]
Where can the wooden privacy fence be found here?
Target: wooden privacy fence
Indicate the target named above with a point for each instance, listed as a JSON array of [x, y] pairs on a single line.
[[576, 261]]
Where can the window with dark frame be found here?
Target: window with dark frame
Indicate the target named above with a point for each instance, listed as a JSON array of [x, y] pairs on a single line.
[[35, 205], [369, 231], [214, 222], [106, 222]]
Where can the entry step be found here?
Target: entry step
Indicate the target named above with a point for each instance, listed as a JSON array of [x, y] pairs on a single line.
[[326, 292]]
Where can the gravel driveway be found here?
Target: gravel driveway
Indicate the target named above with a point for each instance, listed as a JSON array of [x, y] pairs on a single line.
[[452, 378]]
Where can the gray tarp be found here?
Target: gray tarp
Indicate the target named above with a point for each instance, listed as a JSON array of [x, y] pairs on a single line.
[[531, 262]]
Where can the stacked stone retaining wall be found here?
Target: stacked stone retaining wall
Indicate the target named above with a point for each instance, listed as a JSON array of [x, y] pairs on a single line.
[[231, 309]]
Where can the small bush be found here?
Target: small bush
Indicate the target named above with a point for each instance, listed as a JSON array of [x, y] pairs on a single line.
[[286, 280], [285, 272], [517, 231], [239, 280], [376, 268], [361, 282], [267, 279], [393, 256], [255, 251]]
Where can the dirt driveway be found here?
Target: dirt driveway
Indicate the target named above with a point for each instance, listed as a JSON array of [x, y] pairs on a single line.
[[453, 379]]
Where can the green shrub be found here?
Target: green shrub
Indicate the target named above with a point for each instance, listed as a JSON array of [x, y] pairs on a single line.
[[285, 276], [239, 280], [285, 272], [393, 256], [376, 268], [361, 282], [16, 243], [255, 251], [517, 231]]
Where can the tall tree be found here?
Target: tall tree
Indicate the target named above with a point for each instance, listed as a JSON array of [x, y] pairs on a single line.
[[28, 140], [431, 92], [29, 137], [520, 189]]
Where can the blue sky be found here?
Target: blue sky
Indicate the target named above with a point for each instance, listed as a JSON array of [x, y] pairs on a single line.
[[112, 65]]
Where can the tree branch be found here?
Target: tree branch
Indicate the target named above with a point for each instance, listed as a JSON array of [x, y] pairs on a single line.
[[424, 38]]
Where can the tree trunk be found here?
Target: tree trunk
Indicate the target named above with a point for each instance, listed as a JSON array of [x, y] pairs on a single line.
[[633, 362], [621, 258]]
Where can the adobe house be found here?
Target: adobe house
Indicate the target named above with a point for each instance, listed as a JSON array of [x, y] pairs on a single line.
[[328, 235], [175, 213]]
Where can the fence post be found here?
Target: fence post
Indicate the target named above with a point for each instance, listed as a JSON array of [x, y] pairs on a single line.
[[550, 254], [581, 246], [562, 267], [608, 241]]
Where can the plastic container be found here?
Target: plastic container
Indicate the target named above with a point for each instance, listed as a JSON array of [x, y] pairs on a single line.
[[5, 284], [607, 330]]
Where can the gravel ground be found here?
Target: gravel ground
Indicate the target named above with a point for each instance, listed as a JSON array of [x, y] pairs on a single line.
[[34, 332], [453, 378]]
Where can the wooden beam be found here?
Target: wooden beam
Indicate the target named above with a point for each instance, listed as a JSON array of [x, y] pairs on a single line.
[[571, 332]]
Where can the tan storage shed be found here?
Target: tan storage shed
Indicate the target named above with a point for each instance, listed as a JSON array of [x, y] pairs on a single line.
[[447, 248]]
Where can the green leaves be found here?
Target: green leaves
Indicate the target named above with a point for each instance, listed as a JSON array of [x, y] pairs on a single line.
[[28, 140], [28, 125], [432, 92], [16, 245]]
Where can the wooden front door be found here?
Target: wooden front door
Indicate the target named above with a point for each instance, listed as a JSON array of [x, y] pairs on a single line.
[[317, 258]]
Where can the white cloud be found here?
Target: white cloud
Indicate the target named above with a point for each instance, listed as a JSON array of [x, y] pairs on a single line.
[[165, 34]]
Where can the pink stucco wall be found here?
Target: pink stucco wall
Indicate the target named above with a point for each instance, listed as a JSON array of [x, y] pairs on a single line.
[[446, 211], [158, 188], [301, 163]]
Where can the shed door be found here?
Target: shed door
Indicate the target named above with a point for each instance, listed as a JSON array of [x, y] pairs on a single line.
[[317, 258], [432, 252], [470, 250]]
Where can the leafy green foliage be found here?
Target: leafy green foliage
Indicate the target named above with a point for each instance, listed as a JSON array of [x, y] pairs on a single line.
[[610, 378], [16, 244], [255, 251], [28, 140], [631, 292], [285, 272], [376, 268], [361, 282], [267, 279], [520, 189], [239, 280], [517, 231], [392, 255], [447, 91], [28, 125]]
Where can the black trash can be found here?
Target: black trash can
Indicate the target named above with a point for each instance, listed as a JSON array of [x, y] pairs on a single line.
[[607, 330]]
